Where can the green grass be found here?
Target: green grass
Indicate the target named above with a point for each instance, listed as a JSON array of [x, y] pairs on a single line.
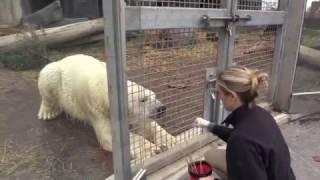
[[311, 32], [29, 56], [310, 36], [24, 58], [37, 55]]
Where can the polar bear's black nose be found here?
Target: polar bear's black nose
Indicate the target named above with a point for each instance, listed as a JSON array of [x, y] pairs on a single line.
[[161, 109]]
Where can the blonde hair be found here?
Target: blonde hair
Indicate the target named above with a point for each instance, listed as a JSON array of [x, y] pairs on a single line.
[[242, 81]]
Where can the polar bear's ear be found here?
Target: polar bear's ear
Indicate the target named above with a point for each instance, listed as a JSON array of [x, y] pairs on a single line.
[[144, 99]]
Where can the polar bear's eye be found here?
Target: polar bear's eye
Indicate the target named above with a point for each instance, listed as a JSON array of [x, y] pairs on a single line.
[[144, 99]]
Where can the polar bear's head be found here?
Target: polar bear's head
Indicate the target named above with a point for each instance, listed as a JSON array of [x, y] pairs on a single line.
[[143, 102]]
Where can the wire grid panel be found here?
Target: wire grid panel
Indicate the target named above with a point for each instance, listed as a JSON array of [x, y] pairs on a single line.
[[266, 5], [170, 64], [177, 3], [254, 48]]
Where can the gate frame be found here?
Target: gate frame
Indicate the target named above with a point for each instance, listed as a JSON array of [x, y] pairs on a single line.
[[288, 56], [115, 48], [140, 18]]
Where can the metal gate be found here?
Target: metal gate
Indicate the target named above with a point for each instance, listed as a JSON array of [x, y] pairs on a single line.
[[172, 48]]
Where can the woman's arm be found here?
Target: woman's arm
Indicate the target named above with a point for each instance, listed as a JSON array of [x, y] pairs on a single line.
[[221, 131]]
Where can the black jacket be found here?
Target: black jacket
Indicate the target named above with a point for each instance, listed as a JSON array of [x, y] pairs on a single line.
[[256, 149]]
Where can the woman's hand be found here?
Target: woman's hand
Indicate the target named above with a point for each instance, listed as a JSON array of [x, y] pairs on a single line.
[[200, 122]]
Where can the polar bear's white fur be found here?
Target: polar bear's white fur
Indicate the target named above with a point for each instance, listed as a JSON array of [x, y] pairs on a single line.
[[77, 85]]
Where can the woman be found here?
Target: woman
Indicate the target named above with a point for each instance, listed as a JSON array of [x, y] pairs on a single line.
[[256, 149]]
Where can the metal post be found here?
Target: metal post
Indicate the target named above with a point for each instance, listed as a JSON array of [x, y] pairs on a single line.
[[277, 56], [225, 53], [225, 4], [232, 33], [289, 55], [114, 16], [226, 39]]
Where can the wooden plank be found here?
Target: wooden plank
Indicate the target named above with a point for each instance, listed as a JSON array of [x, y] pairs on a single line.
[[52, 36], [309, 56]]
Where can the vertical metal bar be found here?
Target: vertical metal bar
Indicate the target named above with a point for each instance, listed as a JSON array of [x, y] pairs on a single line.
[[113, 11], [225, 54], [225, 4], [283, 5], [232, 33], [228, 4], [290, 54], [277, 56], [223, 46], [280, 32]]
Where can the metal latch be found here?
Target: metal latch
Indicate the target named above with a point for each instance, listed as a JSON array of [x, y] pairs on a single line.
[[234, 18], [211, 74]]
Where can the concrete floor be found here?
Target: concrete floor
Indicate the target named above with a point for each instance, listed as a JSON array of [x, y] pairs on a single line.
[[303, 138], [303, 135]]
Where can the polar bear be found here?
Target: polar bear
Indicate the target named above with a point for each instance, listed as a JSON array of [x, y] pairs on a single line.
[[77, 85]]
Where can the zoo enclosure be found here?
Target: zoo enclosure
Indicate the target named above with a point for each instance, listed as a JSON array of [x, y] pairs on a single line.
[[172, 47]]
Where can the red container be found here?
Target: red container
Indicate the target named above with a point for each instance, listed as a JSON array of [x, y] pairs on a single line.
[[199, 169]]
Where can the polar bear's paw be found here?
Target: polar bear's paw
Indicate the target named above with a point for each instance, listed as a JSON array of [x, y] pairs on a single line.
[[47, 113]]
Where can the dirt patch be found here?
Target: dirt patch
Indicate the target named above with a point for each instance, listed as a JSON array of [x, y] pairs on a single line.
[[34, 149]]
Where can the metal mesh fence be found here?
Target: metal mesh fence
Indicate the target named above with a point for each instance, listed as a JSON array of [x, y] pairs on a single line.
[[266, 5], [254, 48], [242, 4], [177, 3], [171, 64]]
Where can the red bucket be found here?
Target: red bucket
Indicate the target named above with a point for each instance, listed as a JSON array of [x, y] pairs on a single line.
[[199, 169]]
